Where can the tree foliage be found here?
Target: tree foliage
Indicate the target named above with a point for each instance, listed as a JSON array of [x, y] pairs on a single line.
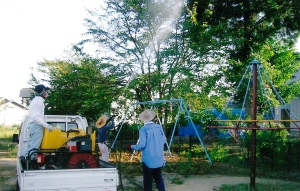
[[242, 26], [85, 87], [241, 30], [163, 49], [275, 85], [148, 39], [280, 63]]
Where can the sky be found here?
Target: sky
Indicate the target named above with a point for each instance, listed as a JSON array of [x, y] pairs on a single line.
[[34, 30]]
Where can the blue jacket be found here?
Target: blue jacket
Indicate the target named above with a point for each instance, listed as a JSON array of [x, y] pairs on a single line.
[[102, 137], [151, 141]]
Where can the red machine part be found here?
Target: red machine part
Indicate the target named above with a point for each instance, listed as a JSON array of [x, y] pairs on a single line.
[[82, 160], [72, 146], [40, 158]]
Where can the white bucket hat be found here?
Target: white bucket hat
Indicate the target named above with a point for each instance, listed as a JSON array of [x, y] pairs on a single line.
[[147, 115]]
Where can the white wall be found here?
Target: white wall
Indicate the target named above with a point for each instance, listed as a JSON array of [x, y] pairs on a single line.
[[11, 114], [294, 110], [295, 113]]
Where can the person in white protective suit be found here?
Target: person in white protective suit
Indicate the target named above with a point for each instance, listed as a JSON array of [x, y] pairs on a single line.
[[36, 121]]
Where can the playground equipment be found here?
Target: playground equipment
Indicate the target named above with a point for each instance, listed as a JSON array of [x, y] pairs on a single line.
[[256, 69], [152, 105]]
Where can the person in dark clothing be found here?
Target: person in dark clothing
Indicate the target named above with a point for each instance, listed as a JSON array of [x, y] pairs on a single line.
[[104, 124]]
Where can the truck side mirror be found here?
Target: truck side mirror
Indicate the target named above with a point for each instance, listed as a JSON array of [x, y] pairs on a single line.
[[15, 138], [89, 130]]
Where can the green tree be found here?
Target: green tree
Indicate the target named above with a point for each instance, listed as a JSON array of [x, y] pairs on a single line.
[[242, 26], [279, 63], [148, 39], [277, 67], [240, 31], [85, 86]]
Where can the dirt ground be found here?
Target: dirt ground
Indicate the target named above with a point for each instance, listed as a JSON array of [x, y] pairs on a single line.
[[206, 182], [210, 183], [190, 183]]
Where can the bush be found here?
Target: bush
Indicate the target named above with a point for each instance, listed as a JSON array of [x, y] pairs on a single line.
[[274, 150], [7, 131]]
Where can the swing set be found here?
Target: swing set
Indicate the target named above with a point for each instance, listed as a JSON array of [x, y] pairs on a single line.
[[153, 105]]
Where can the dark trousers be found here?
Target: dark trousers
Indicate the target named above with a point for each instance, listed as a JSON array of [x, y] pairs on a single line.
[[152, 173]]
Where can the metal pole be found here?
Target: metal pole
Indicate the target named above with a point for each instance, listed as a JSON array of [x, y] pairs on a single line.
[[254, 124]]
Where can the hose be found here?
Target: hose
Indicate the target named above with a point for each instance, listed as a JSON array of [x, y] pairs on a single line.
[[125, 176]]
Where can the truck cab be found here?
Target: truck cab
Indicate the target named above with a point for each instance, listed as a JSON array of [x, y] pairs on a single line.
[[65, 128]]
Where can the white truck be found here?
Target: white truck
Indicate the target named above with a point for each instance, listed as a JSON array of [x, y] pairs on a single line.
[[67, 159]]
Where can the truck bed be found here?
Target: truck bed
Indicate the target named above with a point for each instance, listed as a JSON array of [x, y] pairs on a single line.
[[103, 178]]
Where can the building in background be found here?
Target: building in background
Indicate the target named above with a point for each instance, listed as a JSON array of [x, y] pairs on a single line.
[[26, 94], [11, 113], [290, 111]]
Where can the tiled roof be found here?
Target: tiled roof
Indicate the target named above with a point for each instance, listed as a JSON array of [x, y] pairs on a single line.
[[6, 101], [18, 105]]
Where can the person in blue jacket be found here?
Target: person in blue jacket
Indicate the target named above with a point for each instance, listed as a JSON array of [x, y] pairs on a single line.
[[151, 141], [104, 124]]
